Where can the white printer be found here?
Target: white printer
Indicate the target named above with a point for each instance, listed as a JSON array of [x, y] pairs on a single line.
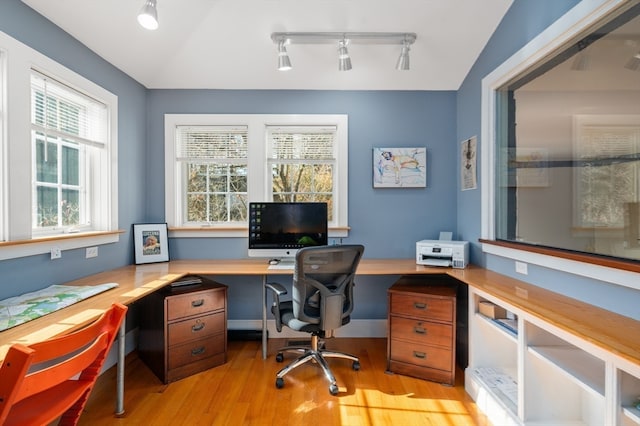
[[442, 253]]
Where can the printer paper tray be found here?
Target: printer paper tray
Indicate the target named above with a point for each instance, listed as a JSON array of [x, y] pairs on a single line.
[[436, 262]]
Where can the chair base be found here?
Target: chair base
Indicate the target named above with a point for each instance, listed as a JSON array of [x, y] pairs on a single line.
[[315, 353]]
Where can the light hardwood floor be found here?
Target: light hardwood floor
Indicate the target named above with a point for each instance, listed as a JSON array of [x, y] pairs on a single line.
[[243, 392]]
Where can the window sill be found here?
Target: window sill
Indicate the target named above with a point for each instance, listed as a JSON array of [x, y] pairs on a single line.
[[610, 270], [235, 232], [35, 246]]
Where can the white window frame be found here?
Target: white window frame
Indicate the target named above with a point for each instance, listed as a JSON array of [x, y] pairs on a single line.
[[4, 224], [258, 187], [19, 61], [568, 27]]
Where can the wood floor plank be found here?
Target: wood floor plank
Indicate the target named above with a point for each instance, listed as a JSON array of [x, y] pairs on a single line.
[[242, 392]]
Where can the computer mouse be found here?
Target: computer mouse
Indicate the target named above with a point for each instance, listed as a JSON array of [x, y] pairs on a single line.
[[274, 261]]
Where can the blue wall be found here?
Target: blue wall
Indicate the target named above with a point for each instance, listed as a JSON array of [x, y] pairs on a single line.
[[524, 20], [26, 274], [387, 221]]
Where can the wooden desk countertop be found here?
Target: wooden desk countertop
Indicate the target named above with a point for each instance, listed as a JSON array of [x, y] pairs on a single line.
[[136, 281], [610, 331]]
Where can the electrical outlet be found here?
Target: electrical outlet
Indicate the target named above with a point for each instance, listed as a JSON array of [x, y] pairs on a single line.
[[91, 252], [521, 268], [56, 253]]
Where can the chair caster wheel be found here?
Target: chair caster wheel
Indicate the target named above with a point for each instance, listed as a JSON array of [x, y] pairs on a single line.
[[333, 389], [356, 365], [279, 357], [279, 382]]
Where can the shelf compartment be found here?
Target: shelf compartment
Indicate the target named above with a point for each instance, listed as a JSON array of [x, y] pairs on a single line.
[[509, 332], [586, 370], [560, 389], [629, 394], [492, 401], [631, 416]]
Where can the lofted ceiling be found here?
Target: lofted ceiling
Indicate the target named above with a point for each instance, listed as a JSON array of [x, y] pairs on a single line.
[[226, 44]]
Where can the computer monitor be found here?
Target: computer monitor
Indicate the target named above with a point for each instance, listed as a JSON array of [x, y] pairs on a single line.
[[278, 230]]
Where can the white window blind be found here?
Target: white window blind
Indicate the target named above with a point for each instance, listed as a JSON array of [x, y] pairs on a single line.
[[306, 144], [211, 144], [61, 111]]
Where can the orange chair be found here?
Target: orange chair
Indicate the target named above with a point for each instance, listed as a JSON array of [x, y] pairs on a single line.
[[53, 379]]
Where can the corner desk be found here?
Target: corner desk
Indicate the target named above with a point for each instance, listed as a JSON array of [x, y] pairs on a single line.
[[137, 281], [600, 329]]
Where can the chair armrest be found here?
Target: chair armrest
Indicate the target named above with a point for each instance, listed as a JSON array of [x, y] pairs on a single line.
[[277, 288]]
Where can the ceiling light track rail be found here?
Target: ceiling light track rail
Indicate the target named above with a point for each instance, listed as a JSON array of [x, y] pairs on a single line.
[[350, 37], [343, 39]]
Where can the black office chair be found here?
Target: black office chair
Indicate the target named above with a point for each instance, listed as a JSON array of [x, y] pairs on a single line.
[[322, 301]]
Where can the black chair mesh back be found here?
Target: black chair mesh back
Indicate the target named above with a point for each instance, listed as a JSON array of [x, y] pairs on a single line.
[[323, 284]]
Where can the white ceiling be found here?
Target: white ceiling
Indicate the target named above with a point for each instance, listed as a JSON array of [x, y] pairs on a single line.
[[226, 44]]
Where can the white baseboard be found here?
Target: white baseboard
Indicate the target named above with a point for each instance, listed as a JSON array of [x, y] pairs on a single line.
[[356, 328]]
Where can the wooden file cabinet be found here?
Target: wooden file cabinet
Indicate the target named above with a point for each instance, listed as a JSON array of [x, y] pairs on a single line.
[[422, 328], [183, 330]]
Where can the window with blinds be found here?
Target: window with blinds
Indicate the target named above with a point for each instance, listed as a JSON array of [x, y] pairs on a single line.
[[302, 163], [217, 163], [214, 161], [608, 177], [69, 134]]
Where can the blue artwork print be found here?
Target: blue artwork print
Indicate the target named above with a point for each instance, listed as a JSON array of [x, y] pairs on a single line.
[[399, 167]]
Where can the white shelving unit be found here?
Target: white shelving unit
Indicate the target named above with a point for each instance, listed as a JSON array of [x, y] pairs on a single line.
[[558, 378]]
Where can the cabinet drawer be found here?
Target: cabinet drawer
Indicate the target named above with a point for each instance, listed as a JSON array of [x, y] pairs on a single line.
[[196, 350], [195, 328], [422, 355], [421, 332], [422, 307], [194, 303]]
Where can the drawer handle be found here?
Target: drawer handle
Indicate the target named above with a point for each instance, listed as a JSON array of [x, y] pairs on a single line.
[[197, 303], [419, 305], [421, 355], [199, 326], [197, 351], [419, 330]]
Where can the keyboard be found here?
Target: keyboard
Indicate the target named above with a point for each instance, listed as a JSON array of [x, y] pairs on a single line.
[[283, 265]]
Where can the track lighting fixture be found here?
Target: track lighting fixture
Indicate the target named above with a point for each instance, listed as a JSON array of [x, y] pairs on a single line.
[[633, 63], [343, 38], [148, 16], [344, 60], [284, 63], [403, 59], [580, 62]]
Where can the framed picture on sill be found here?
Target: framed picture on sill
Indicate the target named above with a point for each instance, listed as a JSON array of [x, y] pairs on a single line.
[[151, 244]]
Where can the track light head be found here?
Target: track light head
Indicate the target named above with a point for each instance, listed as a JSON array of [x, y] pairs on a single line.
[[344, 60], [634, 63], [403, 59], [284, 63], [148, 16], [580, 62]]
